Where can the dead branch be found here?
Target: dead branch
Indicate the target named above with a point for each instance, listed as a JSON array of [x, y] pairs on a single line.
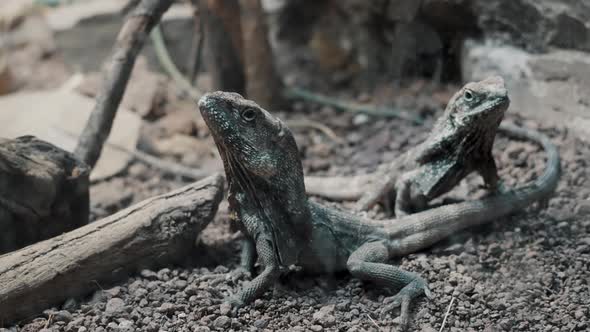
[[129, 43], [297, 93], [156, 232], [166, 62]]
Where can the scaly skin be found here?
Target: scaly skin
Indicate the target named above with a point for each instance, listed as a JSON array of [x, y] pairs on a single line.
[[460, 142], [267, 195]]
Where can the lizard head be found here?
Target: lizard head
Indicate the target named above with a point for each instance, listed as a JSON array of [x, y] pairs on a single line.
[[245, 132], [484, 101]]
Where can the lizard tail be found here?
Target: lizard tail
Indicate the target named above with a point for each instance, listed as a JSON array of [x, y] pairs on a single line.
[[338, 187], [420, 230]]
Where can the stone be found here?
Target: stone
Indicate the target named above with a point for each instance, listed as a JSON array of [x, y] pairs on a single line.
[[537, 24], [222, 322], [115, 306], [550, 87]]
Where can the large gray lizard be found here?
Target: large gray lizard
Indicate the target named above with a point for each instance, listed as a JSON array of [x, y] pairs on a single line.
[[267, 196], [459, 143]]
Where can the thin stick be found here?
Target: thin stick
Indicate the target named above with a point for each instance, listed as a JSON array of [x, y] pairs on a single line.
[[447, 314], [374, 322], [297, 93], [163, 165], [116, 75], [315, 125], [166, 61]]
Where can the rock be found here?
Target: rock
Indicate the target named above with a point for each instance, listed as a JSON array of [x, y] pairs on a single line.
[[550, 87], [61, 119], [537, 24], [261, 323], [115, 306], [148, 274], [316, 328], [325, 315], [201, 329], [181, 122], [126, 326], [111, 196], [222, 322], [63, 316], [167, 308]]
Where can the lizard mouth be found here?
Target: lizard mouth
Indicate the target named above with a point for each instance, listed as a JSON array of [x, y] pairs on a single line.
[[500, 103]]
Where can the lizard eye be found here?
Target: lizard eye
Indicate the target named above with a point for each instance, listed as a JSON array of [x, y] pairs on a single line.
[[248, 114], [468, 95]]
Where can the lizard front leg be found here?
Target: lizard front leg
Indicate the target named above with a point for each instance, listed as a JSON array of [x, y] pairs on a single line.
[[489, 172], [408, 200], [264, 280], [368, 262]]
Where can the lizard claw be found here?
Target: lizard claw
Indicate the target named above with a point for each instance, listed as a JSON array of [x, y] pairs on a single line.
[[234, 302], [404, 297]]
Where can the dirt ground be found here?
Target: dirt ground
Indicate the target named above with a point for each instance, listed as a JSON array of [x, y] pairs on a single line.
[[528, 272]]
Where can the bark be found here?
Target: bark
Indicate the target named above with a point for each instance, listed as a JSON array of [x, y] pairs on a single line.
[[223, 44], [152, 233], [115, 76], [43, 192], [262, 82]]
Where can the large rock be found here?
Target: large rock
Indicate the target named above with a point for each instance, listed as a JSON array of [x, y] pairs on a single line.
[[537, 24], [553, 87]]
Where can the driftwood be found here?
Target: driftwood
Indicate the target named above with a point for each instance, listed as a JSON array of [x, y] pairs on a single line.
[[43, 192], [157, 231], [129, 42]]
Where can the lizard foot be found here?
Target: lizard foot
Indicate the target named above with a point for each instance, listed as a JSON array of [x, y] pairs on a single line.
[[404, 297], [234, 302]]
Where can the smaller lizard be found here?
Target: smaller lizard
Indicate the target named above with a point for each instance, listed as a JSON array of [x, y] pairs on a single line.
[[267, 196], [460, 142]]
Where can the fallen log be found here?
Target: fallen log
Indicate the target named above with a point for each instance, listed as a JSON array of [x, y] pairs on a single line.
[[43, 192], [158, 231]]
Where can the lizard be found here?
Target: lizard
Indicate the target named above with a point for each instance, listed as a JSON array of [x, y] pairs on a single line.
[[283, 227], [459, 143]]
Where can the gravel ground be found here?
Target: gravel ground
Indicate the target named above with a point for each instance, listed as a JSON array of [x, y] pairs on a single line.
[[528, 272]]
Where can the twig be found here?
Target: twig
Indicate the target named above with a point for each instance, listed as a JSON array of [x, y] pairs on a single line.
[[315, 125], [374, 322], [116, 75], [166, 62], [196, 54], [298, 93], [157, 163], [447, 314], [163, 165]]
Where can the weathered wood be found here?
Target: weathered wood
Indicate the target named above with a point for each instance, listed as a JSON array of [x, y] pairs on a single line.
[[157, 231], [263, 84], [129, 43], [223, 44], [43, 192]]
